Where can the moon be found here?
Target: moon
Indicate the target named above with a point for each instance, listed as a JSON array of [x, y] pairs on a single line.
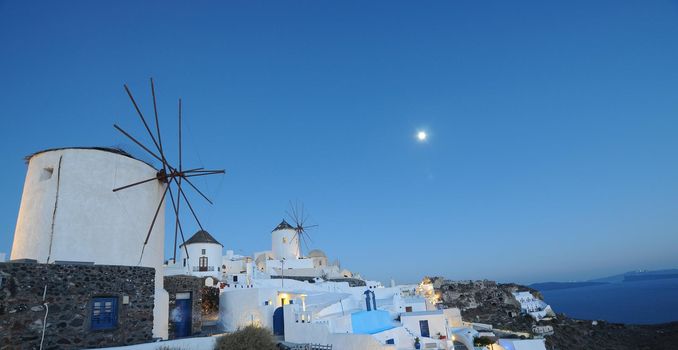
[[422, 136]]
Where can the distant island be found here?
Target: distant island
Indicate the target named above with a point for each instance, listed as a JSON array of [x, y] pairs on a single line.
[[563, 285], [648, 277], [631, 276], [648, 297]]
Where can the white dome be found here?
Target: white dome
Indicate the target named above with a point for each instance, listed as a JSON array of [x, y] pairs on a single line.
[[316, 253], [260, 261]]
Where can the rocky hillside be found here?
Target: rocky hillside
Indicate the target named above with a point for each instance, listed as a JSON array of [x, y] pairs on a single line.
[[492, 303], [485, 302], [585, 334]]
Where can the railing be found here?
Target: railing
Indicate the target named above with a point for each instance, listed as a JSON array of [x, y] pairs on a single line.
[[311, 347], [203, 268]]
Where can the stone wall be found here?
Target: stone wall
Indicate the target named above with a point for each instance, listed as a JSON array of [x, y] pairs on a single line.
[[70, 289], [182, 284]]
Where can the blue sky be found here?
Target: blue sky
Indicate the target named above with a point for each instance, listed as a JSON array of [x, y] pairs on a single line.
[[552, 152]]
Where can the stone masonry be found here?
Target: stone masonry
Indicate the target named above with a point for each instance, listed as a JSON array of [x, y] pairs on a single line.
[[70, 290]]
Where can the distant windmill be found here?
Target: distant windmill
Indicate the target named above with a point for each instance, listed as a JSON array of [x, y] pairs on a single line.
[[298, 217], [168, 174]]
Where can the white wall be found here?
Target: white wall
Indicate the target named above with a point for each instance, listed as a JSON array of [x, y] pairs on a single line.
[[274, 267], [400, 336], [436, 324], [234, 266], [91, 222], [240, 307], [453, 316], [318, 333], [197, 343], [285, 244]]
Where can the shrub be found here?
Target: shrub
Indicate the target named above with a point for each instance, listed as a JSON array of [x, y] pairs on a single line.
[[210, 300], [248, 338], [483, 341]]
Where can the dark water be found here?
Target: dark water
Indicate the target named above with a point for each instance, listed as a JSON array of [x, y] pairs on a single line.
[[640, 302]]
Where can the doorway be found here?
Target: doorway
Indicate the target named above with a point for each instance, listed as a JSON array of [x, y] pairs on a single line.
[[181, 315]]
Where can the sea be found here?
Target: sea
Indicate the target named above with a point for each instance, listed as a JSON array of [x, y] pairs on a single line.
[[638, 302]]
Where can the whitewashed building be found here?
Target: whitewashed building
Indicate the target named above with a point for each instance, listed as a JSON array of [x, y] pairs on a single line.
[[532, 306], [204, 257]]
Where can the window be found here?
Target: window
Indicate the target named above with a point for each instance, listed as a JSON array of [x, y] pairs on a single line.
[[284, 239], [408, 309], [203, 252], [104, 313], [202, 263], [390, 341], [423, 328], [235, 278], [184, 262], [46, 174]]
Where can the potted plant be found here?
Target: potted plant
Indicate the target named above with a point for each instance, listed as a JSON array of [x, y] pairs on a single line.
[[417, 344]]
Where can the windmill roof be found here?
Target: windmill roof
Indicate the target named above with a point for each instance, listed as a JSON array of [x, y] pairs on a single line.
[[202, 236], [115, 150], [283, 226]]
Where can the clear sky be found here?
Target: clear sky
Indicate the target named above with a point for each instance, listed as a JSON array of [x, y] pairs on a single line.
[[553, 126]]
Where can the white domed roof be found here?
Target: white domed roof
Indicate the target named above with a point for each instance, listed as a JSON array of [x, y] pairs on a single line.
[[316, 253]]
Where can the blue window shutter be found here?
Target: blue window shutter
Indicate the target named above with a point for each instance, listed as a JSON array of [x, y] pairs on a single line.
[[104, 313]]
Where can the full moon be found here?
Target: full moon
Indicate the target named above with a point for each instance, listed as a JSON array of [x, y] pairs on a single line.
[[421, 136]]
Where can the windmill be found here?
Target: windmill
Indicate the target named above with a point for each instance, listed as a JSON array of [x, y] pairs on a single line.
[[299, 217], [171, 176]]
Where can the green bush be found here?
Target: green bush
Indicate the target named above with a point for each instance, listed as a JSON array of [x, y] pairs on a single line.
[[248, 338], [483, 341]]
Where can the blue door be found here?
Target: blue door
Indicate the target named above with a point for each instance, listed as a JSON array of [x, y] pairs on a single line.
[[423, 327], [278, 322], [181, 315]]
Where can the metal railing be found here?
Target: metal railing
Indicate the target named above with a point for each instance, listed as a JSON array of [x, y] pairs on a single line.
[[203, 268], [311, 347]]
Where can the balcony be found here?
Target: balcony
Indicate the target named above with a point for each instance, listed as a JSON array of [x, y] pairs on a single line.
[[203, 268]]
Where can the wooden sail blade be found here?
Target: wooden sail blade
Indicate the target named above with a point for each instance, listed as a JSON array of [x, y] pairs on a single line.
[[138, 143], [202, 170], [202, 174], [180, 156], [306, 244], [141, 116], [177, 224], [157, 126], [197, 190], [192, 170], [135, 184], [190, 207], [157, 211]]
